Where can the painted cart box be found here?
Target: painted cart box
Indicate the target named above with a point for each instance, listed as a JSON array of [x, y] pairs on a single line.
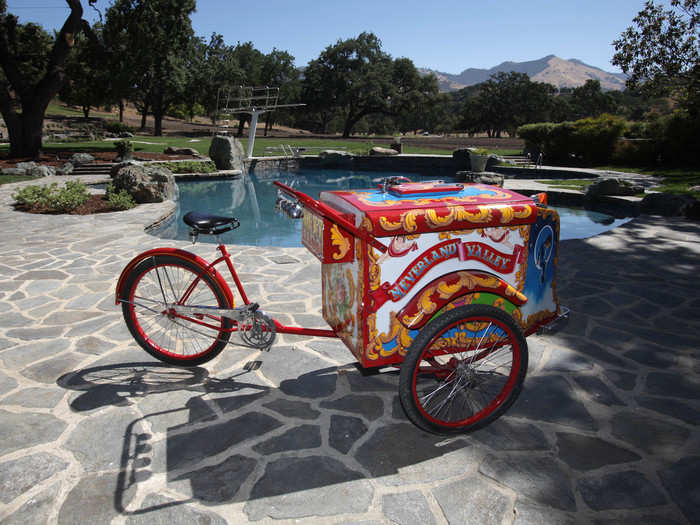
[[449, 245]]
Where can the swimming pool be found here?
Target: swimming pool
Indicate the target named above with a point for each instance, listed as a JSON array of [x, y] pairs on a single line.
[[252, 200]]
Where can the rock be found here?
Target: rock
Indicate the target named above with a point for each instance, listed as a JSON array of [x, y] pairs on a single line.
[[126, 135], [669, 205], [115, 169], [26, 167], [145, 183], [331, 157], [383, 152], [493, 179], [66, 169], [42, 171], [461, 159], [171, 150], [77, 159], [227, 153], [613, 187]]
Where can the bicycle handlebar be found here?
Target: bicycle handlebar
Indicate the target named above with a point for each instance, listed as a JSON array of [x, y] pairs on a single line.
[[332, 215]]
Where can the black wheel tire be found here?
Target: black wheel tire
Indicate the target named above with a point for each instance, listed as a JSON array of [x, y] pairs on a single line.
[[173, 330], [466, 379]]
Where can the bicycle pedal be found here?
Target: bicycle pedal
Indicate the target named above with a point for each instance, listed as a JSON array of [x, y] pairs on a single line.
[[250, 366]]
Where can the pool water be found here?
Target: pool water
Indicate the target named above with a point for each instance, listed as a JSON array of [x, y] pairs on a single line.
[[252, 199], [577, 223]]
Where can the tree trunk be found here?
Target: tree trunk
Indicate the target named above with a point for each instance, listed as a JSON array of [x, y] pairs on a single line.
[[121, 110], [25, 132], [241, 125], [157, 123], [86, 111], [268, 124], [144, 114], [158, 115]]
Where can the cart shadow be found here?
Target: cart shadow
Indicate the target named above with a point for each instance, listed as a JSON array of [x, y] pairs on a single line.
[[235, 440]]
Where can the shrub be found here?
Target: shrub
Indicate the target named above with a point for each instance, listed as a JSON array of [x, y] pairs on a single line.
[[594, 138], [52, 198], [124, 148], [591, 140], [114, 126], [69, 197], [679, 135], [119, 200], [478, 151], [635, 152], [34, 195]]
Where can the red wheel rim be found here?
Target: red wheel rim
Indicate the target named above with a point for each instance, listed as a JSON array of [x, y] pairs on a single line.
[[504, 393], [152, 343]]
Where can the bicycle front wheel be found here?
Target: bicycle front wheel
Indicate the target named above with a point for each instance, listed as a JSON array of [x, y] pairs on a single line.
[[152, 287], [463, 370]]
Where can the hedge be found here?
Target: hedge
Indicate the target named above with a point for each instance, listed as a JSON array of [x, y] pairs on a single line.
[[588, 141]]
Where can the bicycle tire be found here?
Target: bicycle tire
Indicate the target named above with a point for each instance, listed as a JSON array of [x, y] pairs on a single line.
[[169, 338]]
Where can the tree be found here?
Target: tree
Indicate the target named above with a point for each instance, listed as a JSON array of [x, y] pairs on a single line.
[[509, 100], [210, 67], [158, 36], [590, 101], [250, 62], [32, 73], [87, 84], [661, 51], [355, 78], [278, 70]]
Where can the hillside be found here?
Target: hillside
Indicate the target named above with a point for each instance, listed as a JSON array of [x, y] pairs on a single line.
[[550, 69]]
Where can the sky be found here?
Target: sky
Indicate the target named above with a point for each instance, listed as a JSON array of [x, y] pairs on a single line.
[[446, 35]]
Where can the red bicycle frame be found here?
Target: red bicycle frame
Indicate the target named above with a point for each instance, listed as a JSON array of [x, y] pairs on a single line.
[[283, 329]]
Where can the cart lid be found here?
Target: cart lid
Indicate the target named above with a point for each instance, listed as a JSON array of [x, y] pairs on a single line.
[[432, 206]]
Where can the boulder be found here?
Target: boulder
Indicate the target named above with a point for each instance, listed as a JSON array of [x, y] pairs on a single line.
[[613, 187], [332, 157], [78, 159], [484, 177], [26, 167], [42, 171], [172, 150], [383, 152], [126, 135], [115, 169], [227, 153], [145, 183], [670, 205], [66, 169]]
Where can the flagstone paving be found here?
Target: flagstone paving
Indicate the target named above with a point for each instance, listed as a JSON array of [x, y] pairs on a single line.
[[93, 430]]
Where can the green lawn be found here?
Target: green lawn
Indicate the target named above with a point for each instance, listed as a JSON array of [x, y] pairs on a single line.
[[158, 144], [9, 179]]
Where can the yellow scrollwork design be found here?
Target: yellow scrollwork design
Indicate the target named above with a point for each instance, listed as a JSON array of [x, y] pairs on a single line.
[[339, 240]]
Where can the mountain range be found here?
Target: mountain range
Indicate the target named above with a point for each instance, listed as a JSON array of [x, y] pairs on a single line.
[[550, 69]]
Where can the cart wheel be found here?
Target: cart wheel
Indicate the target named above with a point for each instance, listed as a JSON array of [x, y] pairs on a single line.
[[463, 370]]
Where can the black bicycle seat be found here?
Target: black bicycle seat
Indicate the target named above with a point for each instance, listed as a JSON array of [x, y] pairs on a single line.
[[210, 224]]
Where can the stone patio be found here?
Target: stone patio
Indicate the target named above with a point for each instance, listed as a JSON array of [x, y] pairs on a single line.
[[93, 430]]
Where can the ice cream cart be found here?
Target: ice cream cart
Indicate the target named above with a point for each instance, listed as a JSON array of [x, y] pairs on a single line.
[[443, 279]]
